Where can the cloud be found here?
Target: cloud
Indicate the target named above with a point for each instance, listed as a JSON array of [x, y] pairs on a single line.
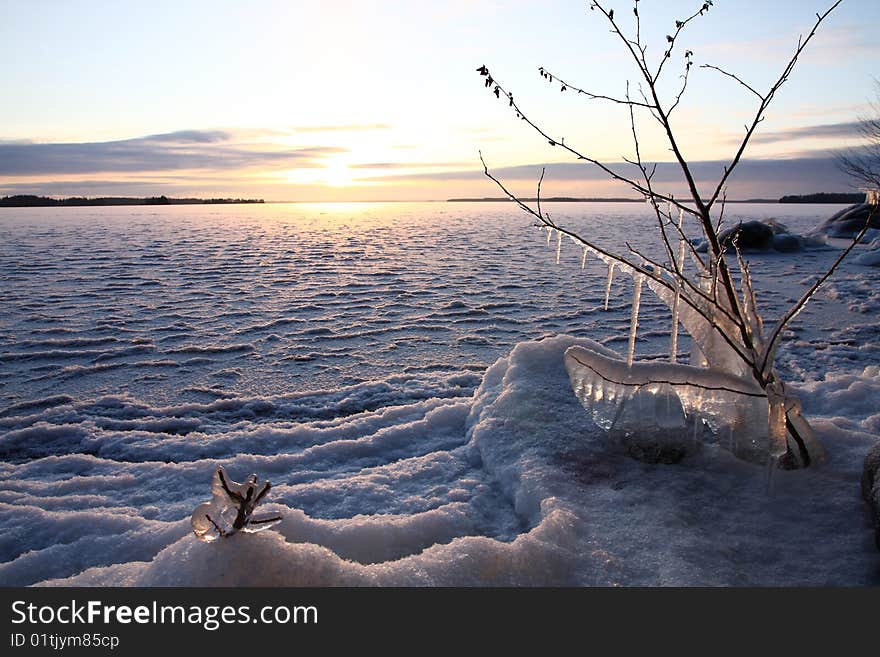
[[88, 188], [765, 177], [189, 137], [846, 129], [406, 165], [353, 127], [174, 151]]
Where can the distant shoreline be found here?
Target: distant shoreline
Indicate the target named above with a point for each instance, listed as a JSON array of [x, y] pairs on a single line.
[[804, 198], [32, 201], [29, 201], [574, 199]]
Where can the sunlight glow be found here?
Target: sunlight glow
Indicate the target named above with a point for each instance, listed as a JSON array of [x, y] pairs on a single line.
[[337, 174]]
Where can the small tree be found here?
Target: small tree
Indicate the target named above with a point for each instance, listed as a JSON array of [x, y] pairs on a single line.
[[722, 319], [864, 165]]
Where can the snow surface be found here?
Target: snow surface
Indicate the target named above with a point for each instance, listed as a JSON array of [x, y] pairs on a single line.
[[396, 372]]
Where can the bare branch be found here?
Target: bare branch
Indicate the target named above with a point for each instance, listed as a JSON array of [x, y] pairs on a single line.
[[684, 84], [864, 165], [590, 96], [734, 77], [719, 293], [624, 263], [671, 39], [641, 189], [767, 98]]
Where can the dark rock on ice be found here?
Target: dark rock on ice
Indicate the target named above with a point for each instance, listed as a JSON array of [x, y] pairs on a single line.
[[749, 235], [759, 235], [849, 221], [787, 243]]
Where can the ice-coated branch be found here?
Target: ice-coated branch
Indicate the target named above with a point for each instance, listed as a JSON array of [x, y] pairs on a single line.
[[231, 509], [722, 320], [629, 267]]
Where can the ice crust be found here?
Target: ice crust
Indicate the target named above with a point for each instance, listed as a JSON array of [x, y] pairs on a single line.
[[580, 513]]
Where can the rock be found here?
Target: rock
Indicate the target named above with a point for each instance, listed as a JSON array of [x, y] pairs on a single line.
[[749, 236], [755, 235], [871, 488], [787, 243], [849, 221]]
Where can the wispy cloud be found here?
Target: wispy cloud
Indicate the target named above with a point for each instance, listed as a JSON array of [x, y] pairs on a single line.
[[407, 165], [765, 177], [351, 127], [183, 150], [844, 130]]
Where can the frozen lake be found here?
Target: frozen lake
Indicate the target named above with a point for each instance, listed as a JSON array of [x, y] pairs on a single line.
[[184, 303], [336, 349]]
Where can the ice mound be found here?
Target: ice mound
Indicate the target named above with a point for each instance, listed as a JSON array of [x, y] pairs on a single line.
[[266, 559], [870, 257]]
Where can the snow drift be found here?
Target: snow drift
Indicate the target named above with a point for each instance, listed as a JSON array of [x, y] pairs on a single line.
[[515, 486]]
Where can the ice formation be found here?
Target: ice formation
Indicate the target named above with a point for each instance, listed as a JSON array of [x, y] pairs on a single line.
[[608, 284], [638, 281], [673, 339], [728, 391], [665, 403], [231, 509]]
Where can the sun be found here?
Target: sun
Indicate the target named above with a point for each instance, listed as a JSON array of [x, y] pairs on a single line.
[[337, 174]]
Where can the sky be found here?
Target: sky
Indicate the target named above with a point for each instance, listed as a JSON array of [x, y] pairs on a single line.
[[380, 100]]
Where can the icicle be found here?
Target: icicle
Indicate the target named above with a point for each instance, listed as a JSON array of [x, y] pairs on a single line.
[[558, 245], [584, 258], [673, 346], [549, 233], [608, 284], [777, 432], [634, 321]]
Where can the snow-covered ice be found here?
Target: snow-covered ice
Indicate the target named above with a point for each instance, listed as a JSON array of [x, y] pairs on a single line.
[[399, 377]]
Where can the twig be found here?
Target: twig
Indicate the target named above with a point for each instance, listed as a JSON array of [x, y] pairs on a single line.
[[735, 77], [766, 99]]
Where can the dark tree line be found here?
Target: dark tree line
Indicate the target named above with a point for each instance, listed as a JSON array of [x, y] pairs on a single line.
[[33, 201]]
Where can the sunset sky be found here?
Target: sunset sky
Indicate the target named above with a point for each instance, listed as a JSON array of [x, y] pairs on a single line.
[[378, 100]]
